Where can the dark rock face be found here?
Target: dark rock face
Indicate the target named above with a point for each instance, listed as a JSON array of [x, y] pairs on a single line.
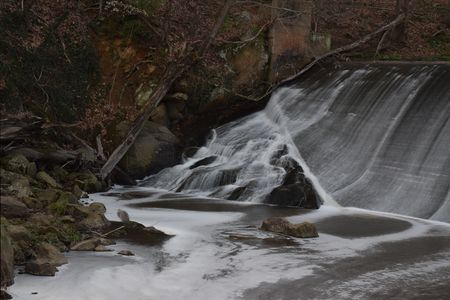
[[296, 189], [283, 226], [155, 148]]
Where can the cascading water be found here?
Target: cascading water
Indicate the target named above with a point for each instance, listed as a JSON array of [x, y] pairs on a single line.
[[374, 136]]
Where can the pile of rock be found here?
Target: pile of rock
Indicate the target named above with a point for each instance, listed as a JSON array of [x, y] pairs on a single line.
[[41, 216]]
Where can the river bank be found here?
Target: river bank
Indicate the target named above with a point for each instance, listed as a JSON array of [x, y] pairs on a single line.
[[218, 252]]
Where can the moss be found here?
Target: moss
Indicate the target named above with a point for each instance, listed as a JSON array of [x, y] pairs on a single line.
[[58, 207]]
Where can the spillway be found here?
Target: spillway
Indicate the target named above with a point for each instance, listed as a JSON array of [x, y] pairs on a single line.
[[373, 136]]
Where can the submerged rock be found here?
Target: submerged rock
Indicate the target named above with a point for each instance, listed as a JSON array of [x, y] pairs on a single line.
[[283, 226], [126, 253], [86, 245]]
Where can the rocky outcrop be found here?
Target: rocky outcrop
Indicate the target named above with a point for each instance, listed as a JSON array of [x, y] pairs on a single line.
[[296, 189], [283, 226], [154, 149], [42, 216]]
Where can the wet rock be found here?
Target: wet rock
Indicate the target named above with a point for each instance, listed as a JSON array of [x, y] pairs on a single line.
[[296, 189], [94, 221], [137, 233], [40, 267], [123, 216], [106, 242], [6, 257], [86, 245], [47, 179], [47, 252], [283, 226], [16, 163], [101, 248], [154, 149], [203, 162], [11, 207], [126, 253], [236, 193]]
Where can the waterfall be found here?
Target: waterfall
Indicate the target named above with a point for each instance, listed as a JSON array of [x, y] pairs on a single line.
[[375, 136]]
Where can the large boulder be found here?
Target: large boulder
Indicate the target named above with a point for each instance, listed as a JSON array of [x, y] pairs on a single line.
[[283, 226], [296, 189], [6, 258], [155, 148], [46, 260]]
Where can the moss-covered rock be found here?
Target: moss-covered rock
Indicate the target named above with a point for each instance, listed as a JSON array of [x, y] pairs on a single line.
[[16, 163], [44, 177]]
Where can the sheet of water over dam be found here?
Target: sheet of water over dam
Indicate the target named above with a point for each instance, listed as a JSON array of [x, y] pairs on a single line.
[[374, 136]]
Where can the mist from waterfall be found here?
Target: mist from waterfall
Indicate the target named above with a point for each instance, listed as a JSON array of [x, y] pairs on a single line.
[[372, 136]]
